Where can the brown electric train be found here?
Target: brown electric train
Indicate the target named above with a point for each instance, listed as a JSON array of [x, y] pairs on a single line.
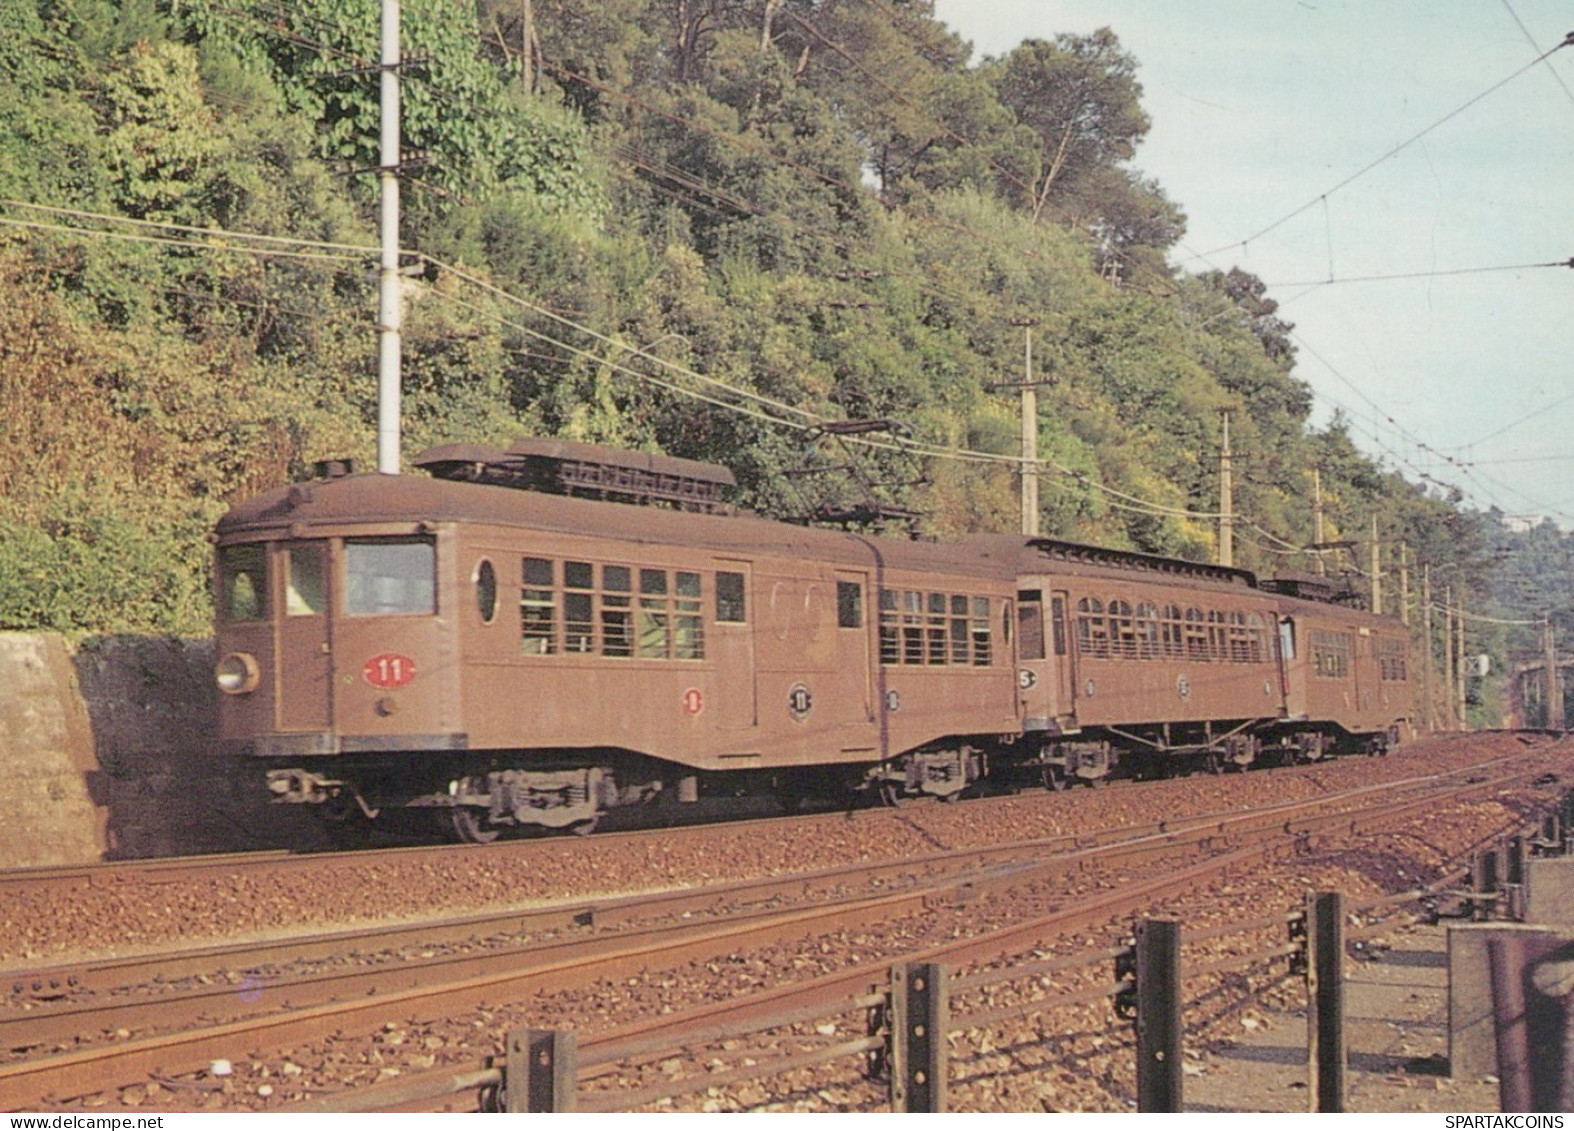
[[533, 636]]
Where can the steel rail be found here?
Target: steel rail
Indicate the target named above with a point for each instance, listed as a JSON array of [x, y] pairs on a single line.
[[840, 991], [178, 868], [92, 1069], [123, 971]]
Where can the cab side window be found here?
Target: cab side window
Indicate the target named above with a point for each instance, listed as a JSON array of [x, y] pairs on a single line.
[[729, 598], [243, 582]]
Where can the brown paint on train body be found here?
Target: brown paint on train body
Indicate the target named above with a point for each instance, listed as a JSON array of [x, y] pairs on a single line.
[[429, 622], [786, 686]]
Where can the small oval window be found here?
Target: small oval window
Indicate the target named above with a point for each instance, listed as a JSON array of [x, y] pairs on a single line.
[[486, 591]]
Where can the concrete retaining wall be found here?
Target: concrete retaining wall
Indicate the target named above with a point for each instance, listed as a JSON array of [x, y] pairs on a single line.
[[108, 752], [47, 813]]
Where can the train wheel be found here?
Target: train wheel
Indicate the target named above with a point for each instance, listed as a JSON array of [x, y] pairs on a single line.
[[585, 827], [1215, 762], [891, 794], [467, 825], [1053, 777]]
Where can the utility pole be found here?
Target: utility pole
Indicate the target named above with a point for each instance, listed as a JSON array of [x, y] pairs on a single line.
[[1404, 583], [1226, 499], [1459, 660], [1317, 518], [1428, 677], [527, 43], [1554, 685], [1029, 442], [1377, 570], [1448, 658], [1029, 390], [389, 306]]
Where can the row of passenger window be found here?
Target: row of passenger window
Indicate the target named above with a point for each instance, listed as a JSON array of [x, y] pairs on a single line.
[[620, 611], [1146, 632], [934, 628]]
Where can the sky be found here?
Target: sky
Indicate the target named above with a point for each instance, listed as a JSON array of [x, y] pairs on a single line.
[[1264, 110]]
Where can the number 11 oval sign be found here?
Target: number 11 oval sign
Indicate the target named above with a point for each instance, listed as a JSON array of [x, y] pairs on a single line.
[[389, 670]]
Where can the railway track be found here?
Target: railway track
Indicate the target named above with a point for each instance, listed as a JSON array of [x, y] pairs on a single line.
[[660, 930], [181, 869]]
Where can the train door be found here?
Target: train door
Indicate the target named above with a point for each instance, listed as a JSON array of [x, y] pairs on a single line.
[[1292, 680], [1062, 660], [305, 652], [732, 646], [1035, 688], [1363, 654], [854, 656]]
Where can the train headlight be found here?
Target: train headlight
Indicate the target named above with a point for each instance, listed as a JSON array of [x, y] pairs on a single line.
[[237, 673]]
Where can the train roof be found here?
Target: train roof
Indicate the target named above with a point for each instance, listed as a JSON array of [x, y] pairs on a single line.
[[372, 498], [1034, 554]]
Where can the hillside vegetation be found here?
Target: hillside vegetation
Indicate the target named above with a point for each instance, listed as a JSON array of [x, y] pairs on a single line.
[[692, 226]]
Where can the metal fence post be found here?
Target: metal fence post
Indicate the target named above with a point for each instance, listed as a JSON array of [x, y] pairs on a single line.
[[920, 1019], [1159, 1072], [1325, 1050], [1485, 884], [541, 1070], [1514, 878]]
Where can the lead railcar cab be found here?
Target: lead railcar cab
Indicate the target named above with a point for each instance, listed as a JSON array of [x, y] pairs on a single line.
[[495, 656]]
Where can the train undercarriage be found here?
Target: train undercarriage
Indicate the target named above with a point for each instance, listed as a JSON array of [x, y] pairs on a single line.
[[479, 798]]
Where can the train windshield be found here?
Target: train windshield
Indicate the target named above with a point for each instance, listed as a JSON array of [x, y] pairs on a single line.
[[390, 576]]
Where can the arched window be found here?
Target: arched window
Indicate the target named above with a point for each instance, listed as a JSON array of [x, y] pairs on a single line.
[[1147, 630], [1171, 634], [1256, 639], [1240, 652], [1092, 631], [1123, 633], [1196, 635], [1217, 647]]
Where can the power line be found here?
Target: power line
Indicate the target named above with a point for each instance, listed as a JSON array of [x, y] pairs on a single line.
[[1520, 459], [1367, 168], [226, 233], [1530, 39], [1314, 284], [806, 421], [260, 252], [1463, 615], [1529, 416]]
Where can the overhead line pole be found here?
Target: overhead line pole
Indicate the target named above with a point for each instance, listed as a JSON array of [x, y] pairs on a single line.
[[1459, 660], [1226, 499], [389, 308], [1377, 570], [1554, 688], [1029, 444], [1428, 679], [1317, 518], [1029, 390]]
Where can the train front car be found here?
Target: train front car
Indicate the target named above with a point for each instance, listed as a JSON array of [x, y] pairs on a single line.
[[336, 640]]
